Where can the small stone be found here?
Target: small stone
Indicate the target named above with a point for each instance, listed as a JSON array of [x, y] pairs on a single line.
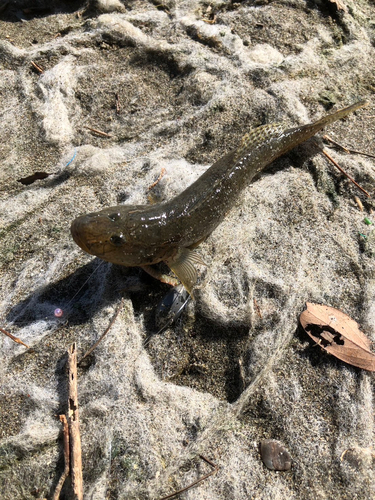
[[274, 455], [109, 6], [9, 256]]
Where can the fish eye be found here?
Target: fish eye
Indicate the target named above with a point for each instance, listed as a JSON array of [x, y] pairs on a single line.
[[115, 216], [117, 239]]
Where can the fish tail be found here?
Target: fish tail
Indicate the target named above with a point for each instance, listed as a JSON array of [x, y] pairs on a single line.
[[295, 136], [337, 115]]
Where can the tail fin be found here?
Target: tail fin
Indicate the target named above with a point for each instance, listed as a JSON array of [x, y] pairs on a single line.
[[295, 136]]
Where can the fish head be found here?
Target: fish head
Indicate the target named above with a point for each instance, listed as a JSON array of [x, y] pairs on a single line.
[[114, 236]]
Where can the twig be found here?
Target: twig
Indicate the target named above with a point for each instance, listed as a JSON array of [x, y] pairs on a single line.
[[99, 132], [65, 474], [351, 151], [38, 68], [118, 106], [258, 309], [215, 469], [105, 333], [15, 339], [209, 21], [343, 172], [162, 173], [73, 419]]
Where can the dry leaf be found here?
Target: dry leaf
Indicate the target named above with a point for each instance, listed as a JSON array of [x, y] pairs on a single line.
[[26, 181], [338, 334]]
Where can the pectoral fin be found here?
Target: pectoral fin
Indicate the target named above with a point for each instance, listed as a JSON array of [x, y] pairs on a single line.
[[183, 265], [164, 278]]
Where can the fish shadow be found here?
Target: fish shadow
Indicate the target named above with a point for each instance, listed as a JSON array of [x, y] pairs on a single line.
[[79, 295]]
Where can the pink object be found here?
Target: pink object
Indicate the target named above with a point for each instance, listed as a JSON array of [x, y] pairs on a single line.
[[58, 312]]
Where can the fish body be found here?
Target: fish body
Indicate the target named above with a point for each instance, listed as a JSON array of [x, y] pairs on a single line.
[[142, 235]]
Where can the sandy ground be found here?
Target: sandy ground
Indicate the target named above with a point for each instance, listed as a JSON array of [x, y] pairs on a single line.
[[175, 85]]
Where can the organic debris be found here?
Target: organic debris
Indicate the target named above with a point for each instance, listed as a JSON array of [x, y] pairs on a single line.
[[343, 172], [98, 132], [215, 468], [36, 176], [37, 68], [65, 474], [73, 422], [15, 339], [338, 334]]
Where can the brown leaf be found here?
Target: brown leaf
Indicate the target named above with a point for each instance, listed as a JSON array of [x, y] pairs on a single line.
[[338, 334], [26, 181]]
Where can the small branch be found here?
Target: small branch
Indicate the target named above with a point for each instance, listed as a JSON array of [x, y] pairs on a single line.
[[329, 139], [162, 173], [350, 151], [215, 469], [36, 67], [118, 106], [65, 474], [209, 21], [73, 419], [343, 172], [258, 309], [99, 132], [15, 339], [105, 333]]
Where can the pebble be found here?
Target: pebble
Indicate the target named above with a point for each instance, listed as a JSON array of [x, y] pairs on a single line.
[[274, 455]]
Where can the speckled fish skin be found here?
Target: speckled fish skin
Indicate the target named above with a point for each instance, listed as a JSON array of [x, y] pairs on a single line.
[[140, 235]]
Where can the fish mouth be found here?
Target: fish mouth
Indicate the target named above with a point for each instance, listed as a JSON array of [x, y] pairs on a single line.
[[83, 231], [78, 235]]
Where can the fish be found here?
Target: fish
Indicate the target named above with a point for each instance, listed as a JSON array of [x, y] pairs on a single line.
[[169, 232]]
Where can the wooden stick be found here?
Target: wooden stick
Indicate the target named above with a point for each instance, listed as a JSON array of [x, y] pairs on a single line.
[[99, 132], [118, 106], [73, 419], [343, 172], [65, 474], [257, 308], [329, 139], [15, 339], [38, 68], [215, 469], [350, 151]]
